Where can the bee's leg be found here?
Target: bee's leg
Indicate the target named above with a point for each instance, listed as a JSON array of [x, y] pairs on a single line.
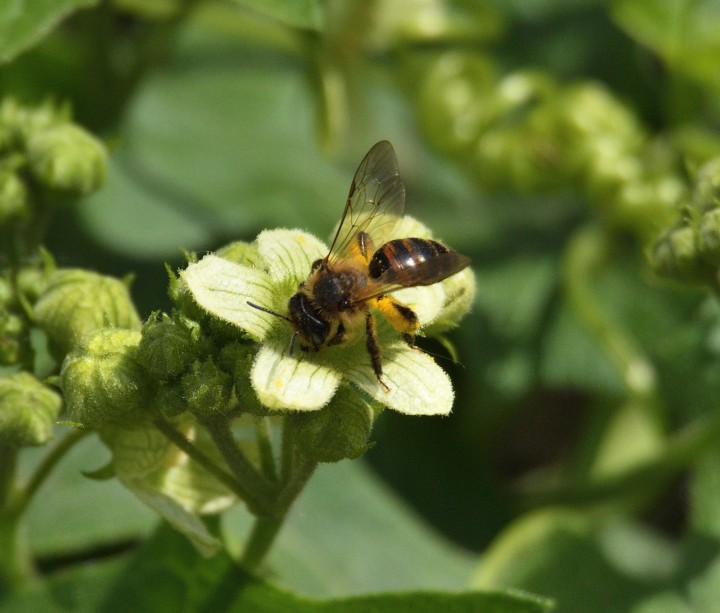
[[401, 317], [338, 337], [374, 349]]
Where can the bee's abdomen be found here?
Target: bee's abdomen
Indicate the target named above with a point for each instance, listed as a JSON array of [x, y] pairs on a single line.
[[403, 256]]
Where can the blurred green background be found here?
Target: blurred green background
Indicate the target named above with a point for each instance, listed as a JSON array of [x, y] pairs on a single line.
[[551, 142]]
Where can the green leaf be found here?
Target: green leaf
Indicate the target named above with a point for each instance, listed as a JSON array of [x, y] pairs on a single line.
[[64, 520], [615, 563], [306, 14], [684, 33], [80, 589], [349, 534], [164, 479], [168, 575], [23, 23]]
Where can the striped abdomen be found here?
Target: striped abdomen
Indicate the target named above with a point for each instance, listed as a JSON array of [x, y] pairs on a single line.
[[415, 261]]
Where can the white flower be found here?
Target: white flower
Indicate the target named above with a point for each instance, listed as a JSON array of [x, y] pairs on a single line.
[[268, 272]]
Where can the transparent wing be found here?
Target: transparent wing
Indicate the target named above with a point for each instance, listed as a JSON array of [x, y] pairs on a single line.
[[377, 196]]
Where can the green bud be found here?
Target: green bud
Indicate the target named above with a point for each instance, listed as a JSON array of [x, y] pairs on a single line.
[[6, 292], [207, 389], [13, 198], [170, 400], [25, 120], [675, 255], [32, 282], [102, 381], [706, 193], [77, 302], [338, 431], [458, 100], [68, 159], [169, 346], [237, 358], [13, 338], [592, 112], [28, 410], [709, 231]]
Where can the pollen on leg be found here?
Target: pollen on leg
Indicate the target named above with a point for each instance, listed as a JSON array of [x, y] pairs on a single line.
[[401, 317]]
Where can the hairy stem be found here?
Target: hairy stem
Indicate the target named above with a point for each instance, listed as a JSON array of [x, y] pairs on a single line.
[[261, 539], [179, 440], [260, 489], [8, 462], [267, 457], [46, 466]]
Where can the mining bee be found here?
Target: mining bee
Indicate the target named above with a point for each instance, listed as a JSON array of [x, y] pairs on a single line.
[[344, 288]]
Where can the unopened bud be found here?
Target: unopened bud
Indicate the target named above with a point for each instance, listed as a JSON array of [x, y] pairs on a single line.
[[77, 302], [207, 389], [13, 198], [28, 410], [676, 255], [338, 431], [169, 346], [68, 159], [14, 343], [102, 381]]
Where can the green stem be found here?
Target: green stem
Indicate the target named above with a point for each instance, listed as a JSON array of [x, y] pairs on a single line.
[[261, 538], [267, 457], [266, 529], [682, 450], [179, 440], [8, 462], [45, 467], [287, 453], [15, 562], [261, 490], [302, 471], [585, 255]]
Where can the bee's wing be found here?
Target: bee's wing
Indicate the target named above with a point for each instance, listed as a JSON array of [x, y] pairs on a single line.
[[377, 196], [427, 272]]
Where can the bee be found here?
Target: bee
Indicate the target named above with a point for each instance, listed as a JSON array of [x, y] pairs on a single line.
[[346, 287]]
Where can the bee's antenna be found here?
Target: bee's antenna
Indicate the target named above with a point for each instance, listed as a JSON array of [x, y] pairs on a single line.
[[291, 350], [270, 311]]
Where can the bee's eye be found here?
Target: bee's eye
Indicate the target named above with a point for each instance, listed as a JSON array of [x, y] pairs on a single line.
[[316, 264]]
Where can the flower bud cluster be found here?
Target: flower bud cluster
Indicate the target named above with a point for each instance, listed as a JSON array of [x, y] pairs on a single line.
[[689, 249], [45, 160], [525, 132], [17, 293]]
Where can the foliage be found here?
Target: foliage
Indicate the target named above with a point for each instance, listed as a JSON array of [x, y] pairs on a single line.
[[569, 148]]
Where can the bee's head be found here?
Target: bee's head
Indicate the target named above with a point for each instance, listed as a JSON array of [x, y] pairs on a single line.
[[312, 329]]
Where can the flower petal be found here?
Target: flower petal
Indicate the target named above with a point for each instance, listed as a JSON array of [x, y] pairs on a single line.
[[459, 296], [285, 382], [426, 301], [223, 289], [289, 254], [418, 386]]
